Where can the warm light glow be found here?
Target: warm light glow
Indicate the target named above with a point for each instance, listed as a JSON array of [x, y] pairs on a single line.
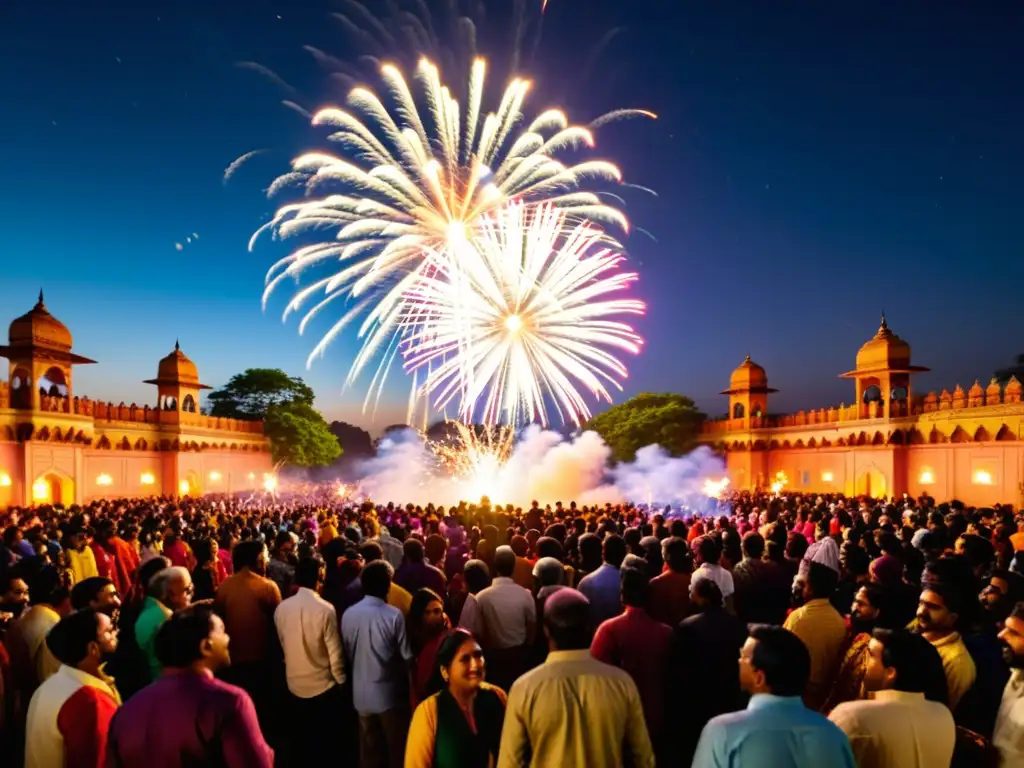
[[147, 478], [269, 483], [104, 479], [252, 475], [781, 481], [342, 490], [714, 489], [827, 477], [513, 323], [184, 488], [5, 480], [40, 490], [983, 477], [927, 477], [214, 476]]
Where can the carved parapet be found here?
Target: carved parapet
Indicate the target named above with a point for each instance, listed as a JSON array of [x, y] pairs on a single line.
[[959, 397], [993, 394], [1013, 391], [931, 402], [945, 400], [976, 395]]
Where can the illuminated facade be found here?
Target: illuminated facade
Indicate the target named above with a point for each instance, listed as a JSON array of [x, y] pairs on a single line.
[[963, 445], [56, 447]]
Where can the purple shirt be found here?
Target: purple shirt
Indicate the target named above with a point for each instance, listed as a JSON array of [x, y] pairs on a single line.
[[414, 576], [188, 719]]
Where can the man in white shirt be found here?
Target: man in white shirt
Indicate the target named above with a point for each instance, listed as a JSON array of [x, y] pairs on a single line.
[[708, 554], [900, 728], [1008, 737], [307, 626], [508, 617]]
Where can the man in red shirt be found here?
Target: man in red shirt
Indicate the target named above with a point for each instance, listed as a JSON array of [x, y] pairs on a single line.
[[636, 643], [70, 713], [670, 591]]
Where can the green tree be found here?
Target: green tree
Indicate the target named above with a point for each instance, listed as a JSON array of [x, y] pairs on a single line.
[[672, 421], [250, 395], [299, 435]]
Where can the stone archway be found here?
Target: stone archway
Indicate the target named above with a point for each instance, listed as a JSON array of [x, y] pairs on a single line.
[[871, 482], [52, 487]]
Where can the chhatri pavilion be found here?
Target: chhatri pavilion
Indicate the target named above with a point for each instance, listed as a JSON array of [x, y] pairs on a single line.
[[59, 448], [964, 444]]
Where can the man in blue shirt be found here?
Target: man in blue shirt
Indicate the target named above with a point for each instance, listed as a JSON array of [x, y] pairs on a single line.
[[602, 586], [776, 728]]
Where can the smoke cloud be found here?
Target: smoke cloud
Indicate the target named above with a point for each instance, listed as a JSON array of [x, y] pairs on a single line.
[[544, 465]]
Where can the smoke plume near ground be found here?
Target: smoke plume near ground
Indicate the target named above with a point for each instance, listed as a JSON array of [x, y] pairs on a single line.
[[544, 465]]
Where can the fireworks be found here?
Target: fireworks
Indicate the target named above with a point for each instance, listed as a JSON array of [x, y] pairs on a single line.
[[411, 184], [781, 481], [714, 489], [474, 458], [519, 315]]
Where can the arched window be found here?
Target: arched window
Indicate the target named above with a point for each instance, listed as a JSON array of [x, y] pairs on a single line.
[[170, 403], [188, 405], [872, 394], [21, 389], [738, 411], [898, 393]]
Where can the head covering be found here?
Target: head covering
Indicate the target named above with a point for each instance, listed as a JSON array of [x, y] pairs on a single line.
[[886, 570], [825, 552]]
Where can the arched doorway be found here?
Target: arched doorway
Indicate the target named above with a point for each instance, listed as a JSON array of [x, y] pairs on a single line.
[[872, 483], [52, 488], [190, 485]]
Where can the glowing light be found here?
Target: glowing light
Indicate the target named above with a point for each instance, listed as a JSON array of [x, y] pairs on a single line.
[[5, 480], [342, 490], [147, 478], [184, 487], [554, 282], [40, 490], [781, 481], [214, 476], [475, 458], [714, 489], [407, 184], [927, 477], [827, 477], [269, 483], [104, 479], [983, 477], [252, 475]]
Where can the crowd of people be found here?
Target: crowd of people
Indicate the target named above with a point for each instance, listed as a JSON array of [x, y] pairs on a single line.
[[782, 630]]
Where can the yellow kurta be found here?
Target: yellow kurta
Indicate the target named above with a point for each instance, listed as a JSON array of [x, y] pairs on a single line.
[[823, 631]]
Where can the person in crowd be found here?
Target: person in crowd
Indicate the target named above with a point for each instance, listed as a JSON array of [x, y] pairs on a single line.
[[776, 728], [938, 614], [670, 590], [169, 590], [14, 596], [708, 554], [549, 576], [427, 627], [415, 573], [907, 723], [821, 629], [459, 723], [98, 593], [865, 616], [1008, 736], [188, 716], [372, 551], [281, 566], [573, 711], [636, 643], [307, 627], [81, 558], [31, 660], [208, 573], [602, 587], [477, 577], [508, 621], [761, 586], [377, 651], [702, 657], [69, 714]]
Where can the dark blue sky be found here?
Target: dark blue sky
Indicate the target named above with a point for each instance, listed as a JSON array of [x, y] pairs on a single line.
[[815, 165]]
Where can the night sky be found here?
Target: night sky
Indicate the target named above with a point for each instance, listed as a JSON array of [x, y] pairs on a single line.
[[815, 165]]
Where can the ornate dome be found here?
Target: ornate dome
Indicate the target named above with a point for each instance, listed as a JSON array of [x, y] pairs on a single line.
[[177, 369], [886, 351], [38, 328], [748, 377]]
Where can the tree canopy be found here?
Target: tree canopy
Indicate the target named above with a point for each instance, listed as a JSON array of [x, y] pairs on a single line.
[[299, 435], [251, 394], [672, 421], [355, 441]]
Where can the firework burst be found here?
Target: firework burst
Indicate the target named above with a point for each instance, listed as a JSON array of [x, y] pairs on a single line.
[[518, 317]]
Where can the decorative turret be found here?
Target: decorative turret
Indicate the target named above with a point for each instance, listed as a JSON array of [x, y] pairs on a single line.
[[883, 370], [177, 382], [748, 391]]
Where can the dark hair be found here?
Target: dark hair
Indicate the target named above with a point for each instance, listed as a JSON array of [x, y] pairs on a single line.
[[413, 550], [708, 591], [371, 551], [87, 590], [69, 639], [783, 659], [445, 657], [421, 598], [916, 661], [203, 550], [504, 561], [567, 620], [477, 575], [1017, 612], [1014, 581], [753, 545], [376, 579], [46, 586], [178, 640], [677, 554], [614, 550], [635, 587], [822, 580], [547, 546], [708, 549], [307, 572], [151, 568], [951, 596], [246, 554]]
